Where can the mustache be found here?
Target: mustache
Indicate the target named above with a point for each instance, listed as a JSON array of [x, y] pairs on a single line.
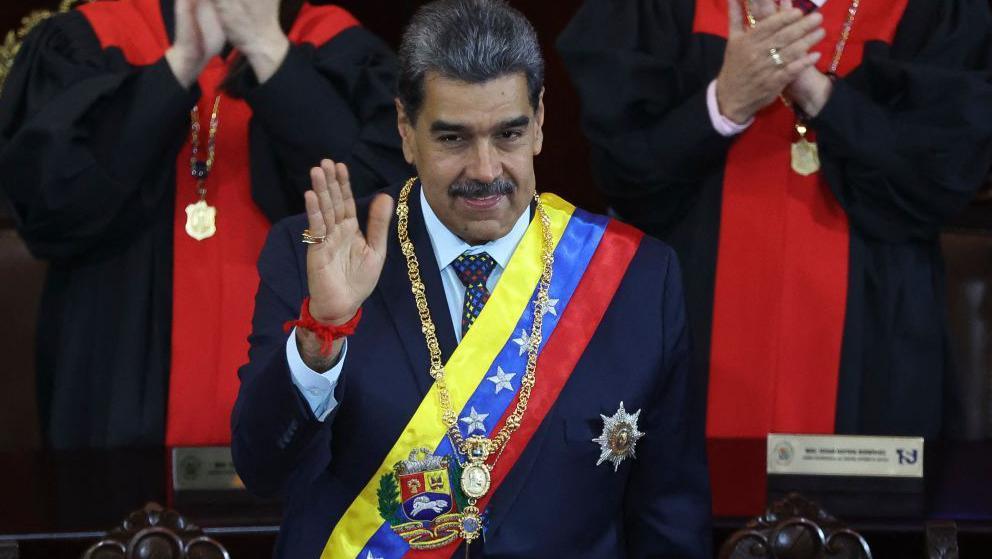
[[476, 189]]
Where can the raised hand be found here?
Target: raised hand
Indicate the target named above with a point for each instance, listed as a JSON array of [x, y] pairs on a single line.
[[198, 38], [344, 268], [252, 27], [760, 62]]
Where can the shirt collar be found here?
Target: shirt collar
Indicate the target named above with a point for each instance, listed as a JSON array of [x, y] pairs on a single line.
[[448, 246]]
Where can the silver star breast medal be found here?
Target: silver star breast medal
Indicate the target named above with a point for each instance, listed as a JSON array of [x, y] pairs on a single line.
[[619, 438]]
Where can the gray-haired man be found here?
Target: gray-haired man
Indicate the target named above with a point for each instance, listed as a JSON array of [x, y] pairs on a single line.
[[457, 374]]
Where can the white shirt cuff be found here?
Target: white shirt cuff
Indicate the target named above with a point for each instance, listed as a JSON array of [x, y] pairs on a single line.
[[316, 388], [723, 125]]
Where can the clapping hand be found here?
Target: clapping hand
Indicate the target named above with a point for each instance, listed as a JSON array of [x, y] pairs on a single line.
[[759, 63], [198, 38], [811, 88], [344, 268], [252, 27]]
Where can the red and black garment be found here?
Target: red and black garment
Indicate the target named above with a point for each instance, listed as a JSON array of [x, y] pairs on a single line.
[[139, 321], [816, 303]]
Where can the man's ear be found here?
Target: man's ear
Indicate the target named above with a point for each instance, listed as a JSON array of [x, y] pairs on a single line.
[[539, 124], [405, 127]]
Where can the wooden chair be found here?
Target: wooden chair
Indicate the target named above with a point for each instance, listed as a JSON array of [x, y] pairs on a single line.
[[156, 533], [795, 528]]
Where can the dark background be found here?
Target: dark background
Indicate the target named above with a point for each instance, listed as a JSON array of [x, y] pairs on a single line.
[[562, 168]]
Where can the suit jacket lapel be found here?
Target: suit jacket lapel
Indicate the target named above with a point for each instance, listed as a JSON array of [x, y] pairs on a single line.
[[394, 286]]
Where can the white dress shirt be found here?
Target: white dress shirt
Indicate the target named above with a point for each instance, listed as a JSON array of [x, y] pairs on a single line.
[[723, 125], [318, 388]]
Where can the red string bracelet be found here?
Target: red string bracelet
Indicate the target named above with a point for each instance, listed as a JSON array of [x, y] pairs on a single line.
[[327, 333]]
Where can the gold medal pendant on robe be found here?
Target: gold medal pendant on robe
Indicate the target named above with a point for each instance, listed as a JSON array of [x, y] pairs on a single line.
[[201, 220], [805, 157], [805, 154]]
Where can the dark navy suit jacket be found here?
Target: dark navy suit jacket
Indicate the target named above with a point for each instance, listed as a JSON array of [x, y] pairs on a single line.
[[555, 502]]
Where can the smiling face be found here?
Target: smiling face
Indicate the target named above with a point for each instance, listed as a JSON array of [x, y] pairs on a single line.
[[474, 145]]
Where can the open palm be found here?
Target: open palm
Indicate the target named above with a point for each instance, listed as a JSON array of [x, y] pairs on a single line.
[[342, 270]]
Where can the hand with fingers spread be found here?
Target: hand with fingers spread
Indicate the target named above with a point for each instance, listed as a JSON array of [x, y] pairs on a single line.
[[759, 63], [198, 38], [344, 268]]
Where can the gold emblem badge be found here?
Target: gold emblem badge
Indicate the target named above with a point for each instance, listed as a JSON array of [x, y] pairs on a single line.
[[805, 154], [805, 157], [201, 220], [417, 500]]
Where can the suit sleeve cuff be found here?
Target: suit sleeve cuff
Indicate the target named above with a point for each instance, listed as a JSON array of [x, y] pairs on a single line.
[[316, 388]]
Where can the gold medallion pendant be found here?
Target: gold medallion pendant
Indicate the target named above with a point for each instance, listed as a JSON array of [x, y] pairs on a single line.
[[805, 157], [475, 480], [201, 220], [471, 523], [805, 154]]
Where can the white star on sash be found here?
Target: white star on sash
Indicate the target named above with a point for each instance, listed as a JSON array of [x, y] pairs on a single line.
[[474, 421], [550, 307], [370, 556], [502, 379], [523, 341]]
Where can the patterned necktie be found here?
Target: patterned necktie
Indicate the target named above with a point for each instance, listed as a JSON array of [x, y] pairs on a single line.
[[473, 271]]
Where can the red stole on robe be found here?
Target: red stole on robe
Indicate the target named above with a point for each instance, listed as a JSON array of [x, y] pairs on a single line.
[[214, 280], [780, 294]]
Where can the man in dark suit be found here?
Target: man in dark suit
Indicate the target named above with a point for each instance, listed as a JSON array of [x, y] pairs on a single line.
[[482, 371]]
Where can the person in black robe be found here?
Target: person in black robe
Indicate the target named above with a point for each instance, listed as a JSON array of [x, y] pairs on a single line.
[[88, 150], [904, 139]]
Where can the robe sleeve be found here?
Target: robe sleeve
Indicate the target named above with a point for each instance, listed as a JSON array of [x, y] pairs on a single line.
[[83, 138], [335, 101], [642, 77], [906, 138]]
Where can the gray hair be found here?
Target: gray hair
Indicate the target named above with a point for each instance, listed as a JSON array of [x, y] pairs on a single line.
[[472, 41]]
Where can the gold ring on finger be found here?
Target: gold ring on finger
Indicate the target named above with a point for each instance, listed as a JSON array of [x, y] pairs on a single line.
[[310, 239], [776, 56]]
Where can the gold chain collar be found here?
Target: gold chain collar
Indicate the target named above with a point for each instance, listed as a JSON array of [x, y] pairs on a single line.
[[477, 448]]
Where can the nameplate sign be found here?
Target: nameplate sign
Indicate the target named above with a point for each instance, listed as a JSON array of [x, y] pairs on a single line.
[[845, 455], [204, 468]]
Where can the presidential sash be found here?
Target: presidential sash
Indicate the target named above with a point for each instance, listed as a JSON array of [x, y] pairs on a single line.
[[410, 505]]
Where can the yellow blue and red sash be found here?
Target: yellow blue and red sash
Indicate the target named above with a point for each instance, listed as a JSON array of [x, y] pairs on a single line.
[[592, 254]]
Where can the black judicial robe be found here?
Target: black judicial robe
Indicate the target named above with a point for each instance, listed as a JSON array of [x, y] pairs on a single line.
[[904, 141], [88, 145]]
